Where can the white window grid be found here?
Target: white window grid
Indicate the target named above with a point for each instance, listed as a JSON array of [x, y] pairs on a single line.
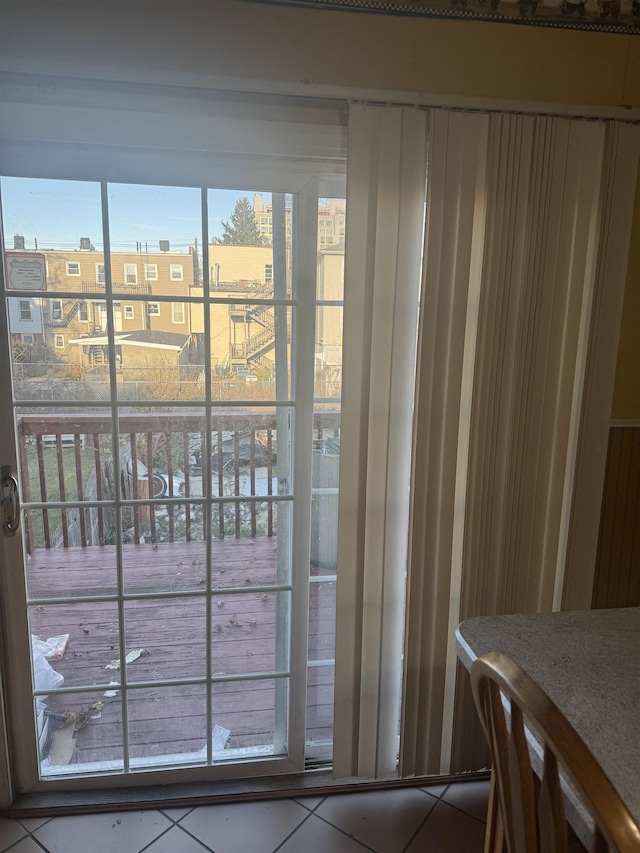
[[176, 272], [285, 590], [73, 268]]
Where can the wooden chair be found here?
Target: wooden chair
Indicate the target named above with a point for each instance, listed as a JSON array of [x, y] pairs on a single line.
[[526, 815]]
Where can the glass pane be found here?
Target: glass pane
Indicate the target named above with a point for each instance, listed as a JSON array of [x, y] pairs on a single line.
[[251, 560], [320, 681], [167, 565], [248, 632], [74, 644], [322, 619], [77, 730], [248, 711], [324, 505], [251, 452], [250, 350], [51, 215], [167, 636], [60, 571], [325, 476], [167, 725]]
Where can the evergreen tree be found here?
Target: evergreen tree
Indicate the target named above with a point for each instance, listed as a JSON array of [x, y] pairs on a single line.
[[242, 230]]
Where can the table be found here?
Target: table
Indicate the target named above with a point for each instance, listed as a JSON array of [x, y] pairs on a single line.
[[588, 663]]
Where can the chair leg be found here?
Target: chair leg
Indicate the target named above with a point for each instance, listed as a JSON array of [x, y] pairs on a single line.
[[494, 838]]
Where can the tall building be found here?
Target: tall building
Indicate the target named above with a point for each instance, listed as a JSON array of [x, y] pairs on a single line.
[[331, 220]]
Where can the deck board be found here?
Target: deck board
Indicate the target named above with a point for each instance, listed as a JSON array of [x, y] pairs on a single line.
[[165, 719]]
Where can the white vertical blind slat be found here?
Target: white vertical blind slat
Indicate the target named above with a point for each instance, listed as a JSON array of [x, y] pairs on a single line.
[[385, 202], [454, 248]]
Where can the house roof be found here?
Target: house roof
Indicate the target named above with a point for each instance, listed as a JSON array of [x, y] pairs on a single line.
[[141, 338], [148, 338]]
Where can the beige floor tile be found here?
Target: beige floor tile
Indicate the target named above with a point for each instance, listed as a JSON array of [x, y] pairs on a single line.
[[31, 823], [469, 797], [383, 820], [434, 790], [310, 803], [317, 836], [124, 832], [176, 814], [27, 845], [242, 827], [176, 841], [448, 830], [10, 832]]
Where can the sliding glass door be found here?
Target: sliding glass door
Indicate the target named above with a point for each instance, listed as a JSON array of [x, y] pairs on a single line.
[[176, 418]]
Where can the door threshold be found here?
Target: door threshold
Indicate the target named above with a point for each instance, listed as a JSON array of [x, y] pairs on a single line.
[[182, 795]]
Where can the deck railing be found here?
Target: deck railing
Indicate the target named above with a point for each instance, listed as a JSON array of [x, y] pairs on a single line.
[[69, 458]]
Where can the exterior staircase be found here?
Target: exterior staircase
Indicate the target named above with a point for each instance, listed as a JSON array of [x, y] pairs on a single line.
[[251, 352]]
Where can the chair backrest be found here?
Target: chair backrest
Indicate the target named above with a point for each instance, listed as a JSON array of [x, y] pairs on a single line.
[[528, 814]]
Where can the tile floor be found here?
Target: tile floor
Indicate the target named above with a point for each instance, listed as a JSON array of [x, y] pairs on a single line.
[[435, 819]]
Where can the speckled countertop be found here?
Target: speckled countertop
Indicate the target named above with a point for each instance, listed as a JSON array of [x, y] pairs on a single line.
[[588, 662]]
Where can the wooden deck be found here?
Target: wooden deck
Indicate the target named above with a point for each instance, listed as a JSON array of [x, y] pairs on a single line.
[[169, 720]]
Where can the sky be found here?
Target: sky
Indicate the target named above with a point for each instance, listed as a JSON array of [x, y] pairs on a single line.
[[59, 213]]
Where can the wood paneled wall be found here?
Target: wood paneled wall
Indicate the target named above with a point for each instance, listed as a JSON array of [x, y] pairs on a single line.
[[617, 577]]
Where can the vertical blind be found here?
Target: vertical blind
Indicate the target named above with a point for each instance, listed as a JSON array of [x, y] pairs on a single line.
[[386, 171], [527, 218]]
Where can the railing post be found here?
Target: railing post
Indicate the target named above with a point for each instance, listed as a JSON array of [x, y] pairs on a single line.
[[25, 485]]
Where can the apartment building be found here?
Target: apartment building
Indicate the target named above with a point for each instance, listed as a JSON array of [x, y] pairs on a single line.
[[156, 333], [331, 220]]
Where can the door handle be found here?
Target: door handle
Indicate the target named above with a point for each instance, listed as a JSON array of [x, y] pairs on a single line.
[[10, 502]]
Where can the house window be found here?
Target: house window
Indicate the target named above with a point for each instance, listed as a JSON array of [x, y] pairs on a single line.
[[177, 312], [153, 309], [27, 339], [268, 272], [151, 272], [83, 312], [130, 274], [128, 312], [56, 310], [176, 272], [100, 277], [58, 341], [73, 268], [25, 310]]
